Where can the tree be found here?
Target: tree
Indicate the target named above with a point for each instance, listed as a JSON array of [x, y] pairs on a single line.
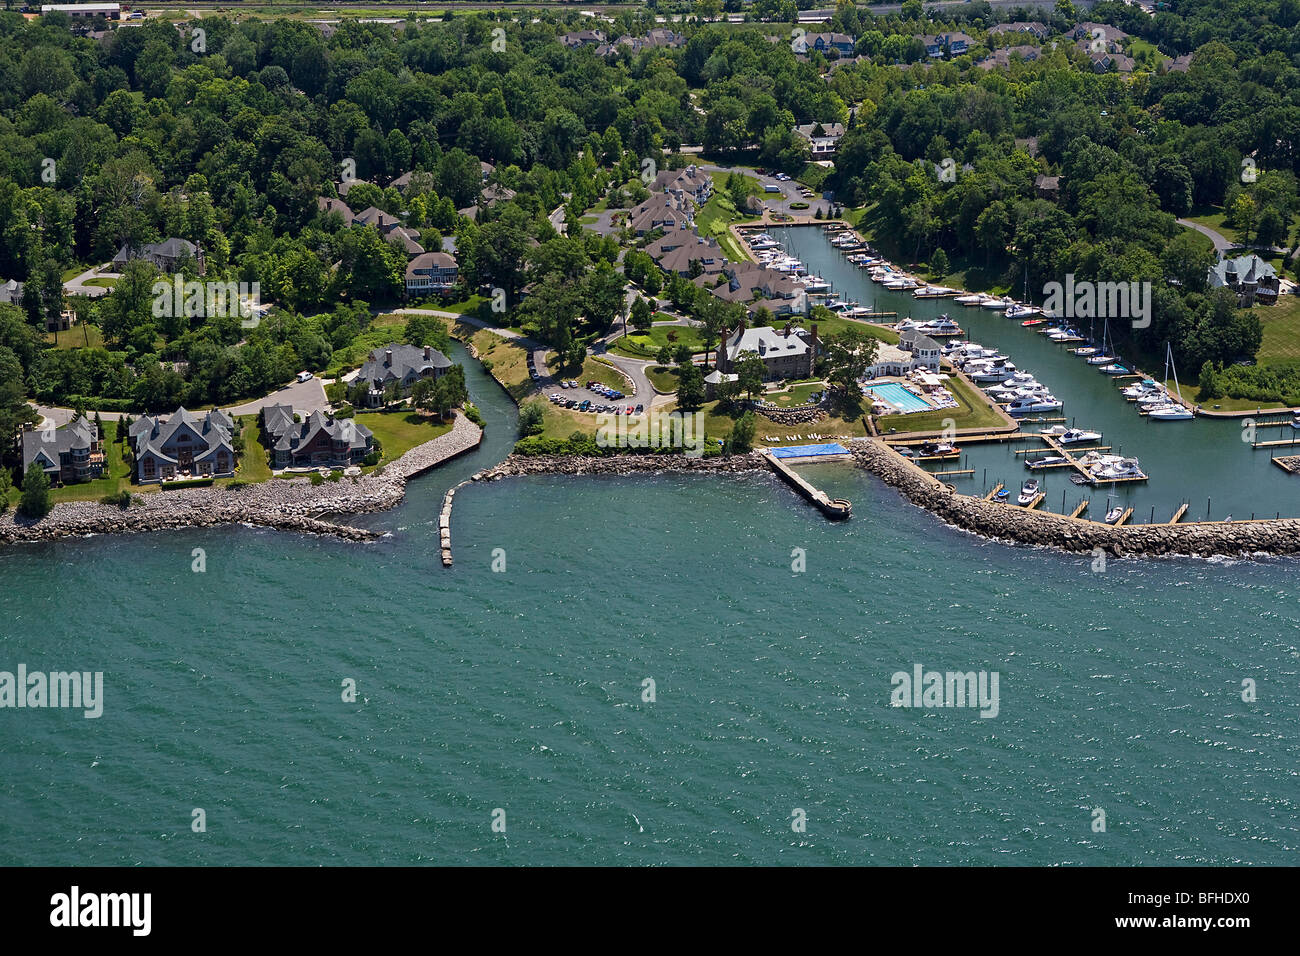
[[35, 502], [939, 264], [750, 371], [742, 433], [690, 386], [849, 354], [530, 418], [642, 317], [1209, 382]]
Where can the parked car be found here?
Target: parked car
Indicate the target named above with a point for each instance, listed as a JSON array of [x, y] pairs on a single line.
[[640, 409], [305, 376]]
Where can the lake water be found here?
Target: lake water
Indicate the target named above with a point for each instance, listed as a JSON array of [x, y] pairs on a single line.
[[523, 689]]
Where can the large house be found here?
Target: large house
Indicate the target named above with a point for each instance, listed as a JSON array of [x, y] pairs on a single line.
[[659, 37], [389, 227], [824, 43], [320, 440], [166, 256], [789, 353], [582, 38], [952, 44], [1004, 55], [328, 205], [1032, 27], [183, 445], [823, 138], [1111, 38], [1253, 279], [661, 211], [691, 182], [682, 255], [747, 282], [72, 453], [11, 292], [402, 366], [430, 272]]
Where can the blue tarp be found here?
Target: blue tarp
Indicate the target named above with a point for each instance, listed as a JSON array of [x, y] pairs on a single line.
[[809, 451]]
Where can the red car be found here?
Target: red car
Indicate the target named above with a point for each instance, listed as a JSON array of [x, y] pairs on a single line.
[[629, 410]]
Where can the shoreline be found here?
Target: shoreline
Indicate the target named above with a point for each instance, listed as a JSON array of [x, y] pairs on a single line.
[[282, 504]]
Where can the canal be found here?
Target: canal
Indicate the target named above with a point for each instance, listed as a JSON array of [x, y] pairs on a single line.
[[1203, 462]]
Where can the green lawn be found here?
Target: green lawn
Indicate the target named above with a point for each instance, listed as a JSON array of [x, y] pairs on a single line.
[[1281, 324], [601, 371], [795, 395], [354, 353], [508, 359], [77, 337], [101, 282], [648, 344], [253, 465], [399, 432], [662, 378]]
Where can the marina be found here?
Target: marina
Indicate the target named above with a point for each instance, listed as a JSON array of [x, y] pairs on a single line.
[[1202, 460]]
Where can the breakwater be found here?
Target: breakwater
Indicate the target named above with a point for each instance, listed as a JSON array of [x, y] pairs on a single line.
[[1005, 522], [516, 466], [284, 504]]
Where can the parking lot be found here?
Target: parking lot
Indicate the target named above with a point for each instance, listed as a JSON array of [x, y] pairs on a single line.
[[597, 398]]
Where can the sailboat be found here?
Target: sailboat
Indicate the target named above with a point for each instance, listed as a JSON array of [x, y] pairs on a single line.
[[1103, 357], [1171, 411]]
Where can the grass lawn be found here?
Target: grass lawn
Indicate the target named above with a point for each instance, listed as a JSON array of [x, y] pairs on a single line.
[[509, 361], [648, 344], [77, 337], [795, 395], [1281, 325], [720, 212], [975, 412], [354, 353], [600, 371], [73, 272], [101, 282], [663, 378], [399, 432], [253, 465]]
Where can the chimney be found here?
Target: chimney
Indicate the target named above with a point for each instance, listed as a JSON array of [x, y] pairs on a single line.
[[812, 347], [428, 353], [388, 358]]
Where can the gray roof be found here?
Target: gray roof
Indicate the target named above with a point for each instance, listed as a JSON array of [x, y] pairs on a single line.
[[405, 359], [290, 435], [767, 342], [1242, 269], [152, 434], [78, 434]]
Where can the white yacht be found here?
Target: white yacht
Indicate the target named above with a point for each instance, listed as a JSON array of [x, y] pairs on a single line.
[[1170, 412], [1028, 492], [997, 305], [1032, 404], [1124, 468], [971, 298], [1070, 436], [1019, 311]]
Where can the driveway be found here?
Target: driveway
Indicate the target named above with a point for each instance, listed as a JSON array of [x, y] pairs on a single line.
[[778, 202], [303, 397], [77, 284], [1222, 244]]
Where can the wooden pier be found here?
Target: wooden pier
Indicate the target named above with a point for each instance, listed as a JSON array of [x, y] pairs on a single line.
[[1280, 443], [1178, 515], [1082, 507], [1288, 463], [996, 488], [1038, 500], [963, 473], [1128, 513]]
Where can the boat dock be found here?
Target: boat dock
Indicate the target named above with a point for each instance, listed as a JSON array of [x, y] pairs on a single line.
[[836, 509], [992, 494], [1080, 509], [1123, 519], [1178, 515], [1279, 443], [963, 473], [1288, 463], [1092, 479]]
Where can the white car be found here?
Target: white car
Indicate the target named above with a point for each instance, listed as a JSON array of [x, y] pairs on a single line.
[[305, 376]]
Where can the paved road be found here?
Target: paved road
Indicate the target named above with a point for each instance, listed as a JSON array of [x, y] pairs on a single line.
[[778, 202], [1222, 244], [304, 397], [77, 286]]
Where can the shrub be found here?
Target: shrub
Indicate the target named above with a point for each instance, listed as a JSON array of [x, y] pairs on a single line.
[[317, 479], [472, 413], [35, 502]]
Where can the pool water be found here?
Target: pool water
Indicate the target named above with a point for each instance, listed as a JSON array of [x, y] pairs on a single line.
[[900, 397]]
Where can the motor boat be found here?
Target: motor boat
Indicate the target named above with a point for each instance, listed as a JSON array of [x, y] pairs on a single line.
[[1030, 323], [816, 284], [1072, 436], [1124, 468], [1087, 351], [995, 304], [992, 372], [1047, 461], [932, 292], [1143, 389], [900, 283], [1060, 335], [1031, 404], [971, 298], [1295, 422], [1171, 412], [1002, 495], [938, 449], [1028, 492], [1019, 311], [1114, 369], [1113, 515], [941, 326]]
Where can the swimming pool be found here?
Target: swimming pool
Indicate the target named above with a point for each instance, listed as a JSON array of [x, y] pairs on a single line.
[[899, 397]]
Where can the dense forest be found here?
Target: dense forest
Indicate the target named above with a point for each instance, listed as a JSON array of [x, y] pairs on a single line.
[[226, 134]]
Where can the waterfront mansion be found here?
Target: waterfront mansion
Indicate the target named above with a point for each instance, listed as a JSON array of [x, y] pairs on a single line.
[[320, 440], [183, 445], [789, 353], [400, 367], [73, 453]]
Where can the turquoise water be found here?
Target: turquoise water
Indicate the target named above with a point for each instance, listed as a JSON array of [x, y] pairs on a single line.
[[900, 397], [522, 689]]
